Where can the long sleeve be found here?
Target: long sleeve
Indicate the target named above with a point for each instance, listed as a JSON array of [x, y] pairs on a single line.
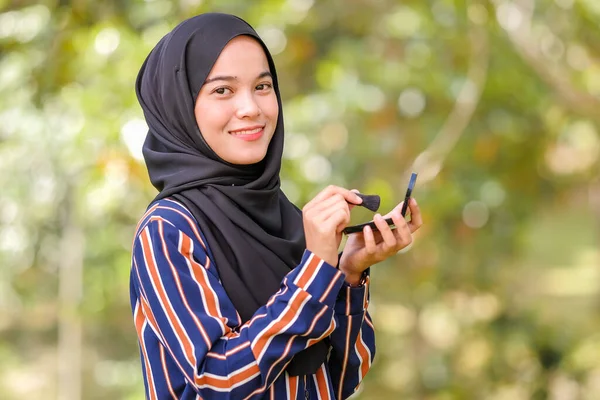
[[180, 302], [353, 340]]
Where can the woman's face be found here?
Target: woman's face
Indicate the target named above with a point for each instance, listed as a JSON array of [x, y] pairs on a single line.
[[236, 109]]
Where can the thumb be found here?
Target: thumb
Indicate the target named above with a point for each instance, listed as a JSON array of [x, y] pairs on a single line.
[[350, 205]]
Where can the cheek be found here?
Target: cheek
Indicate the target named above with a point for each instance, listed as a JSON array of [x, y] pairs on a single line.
[[271, 108], [211, 119]]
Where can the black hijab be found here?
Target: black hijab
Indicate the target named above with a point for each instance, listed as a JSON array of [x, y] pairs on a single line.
[[254, 232]]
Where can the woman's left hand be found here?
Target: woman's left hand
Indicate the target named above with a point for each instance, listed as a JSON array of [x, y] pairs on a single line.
[[366, 248]]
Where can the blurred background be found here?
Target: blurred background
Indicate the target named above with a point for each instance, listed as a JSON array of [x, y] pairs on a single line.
[[495, 103]]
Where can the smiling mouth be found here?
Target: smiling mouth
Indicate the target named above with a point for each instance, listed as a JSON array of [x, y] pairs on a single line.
[[252, 131], [249, 135]]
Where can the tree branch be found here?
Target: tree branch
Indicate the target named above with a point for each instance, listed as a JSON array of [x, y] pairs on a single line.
[[553, 74], [429, 162]]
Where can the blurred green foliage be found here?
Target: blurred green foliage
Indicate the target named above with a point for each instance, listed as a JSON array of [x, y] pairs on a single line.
[[495, 103]]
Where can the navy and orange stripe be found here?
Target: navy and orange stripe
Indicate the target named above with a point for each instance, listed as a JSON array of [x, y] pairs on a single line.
[[192, 344]]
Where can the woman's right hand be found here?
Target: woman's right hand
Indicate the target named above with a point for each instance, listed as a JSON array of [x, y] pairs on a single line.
[[325, 216]]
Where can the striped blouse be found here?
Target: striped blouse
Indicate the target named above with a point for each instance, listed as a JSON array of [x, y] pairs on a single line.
[[193, 344]]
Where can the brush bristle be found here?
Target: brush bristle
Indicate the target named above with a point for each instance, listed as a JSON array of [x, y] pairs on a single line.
[[370, 201]]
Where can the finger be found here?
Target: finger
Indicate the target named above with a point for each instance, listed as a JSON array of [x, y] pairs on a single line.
[[389, 240], [396, 209], [396, 216], [415, 215], [341, 218], [352, 205], [330, 190], [337, 221], [400, 223], [328, 202], [369, 238], [403, 233], [324, 209], [322, 195], [416, 219]]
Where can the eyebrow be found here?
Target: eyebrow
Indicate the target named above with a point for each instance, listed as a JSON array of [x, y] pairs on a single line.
[[234, 78]]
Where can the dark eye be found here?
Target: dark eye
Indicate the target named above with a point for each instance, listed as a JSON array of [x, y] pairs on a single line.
[[263, 86], [221, 90]]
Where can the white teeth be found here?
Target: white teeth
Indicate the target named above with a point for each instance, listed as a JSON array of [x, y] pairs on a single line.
[[251, 132]]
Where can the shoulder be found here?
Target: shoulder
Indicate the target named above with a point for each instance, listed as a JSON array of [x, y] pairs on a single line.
[[172, 215]]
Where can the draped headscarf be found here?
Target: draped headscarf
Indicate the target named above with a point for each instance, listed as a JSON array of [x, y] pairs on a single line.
[[254, 232]]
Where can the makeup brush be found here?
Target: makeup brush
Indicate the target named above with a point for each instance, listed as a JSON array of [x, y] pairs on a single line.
[[370, 201]]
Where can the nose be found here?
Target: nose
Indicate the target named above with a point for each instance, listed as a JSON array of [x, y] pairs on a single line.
[[247, 107]]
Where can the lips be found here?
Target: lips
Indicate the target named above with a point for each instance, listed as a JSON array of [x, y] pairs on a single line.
[[250, 130], [249, 134], [247, 131]]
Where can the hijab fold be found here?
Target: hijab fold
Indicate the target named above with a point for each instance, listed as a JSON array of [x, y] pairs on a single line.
[[254, 232]]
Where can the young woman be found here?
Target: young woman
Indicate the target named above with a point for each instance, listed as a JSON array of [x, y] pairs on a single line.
[[236, 293]]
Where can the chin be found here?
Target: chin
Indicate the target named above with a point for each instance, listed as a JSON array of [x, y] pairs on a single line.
[[250, 159]]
